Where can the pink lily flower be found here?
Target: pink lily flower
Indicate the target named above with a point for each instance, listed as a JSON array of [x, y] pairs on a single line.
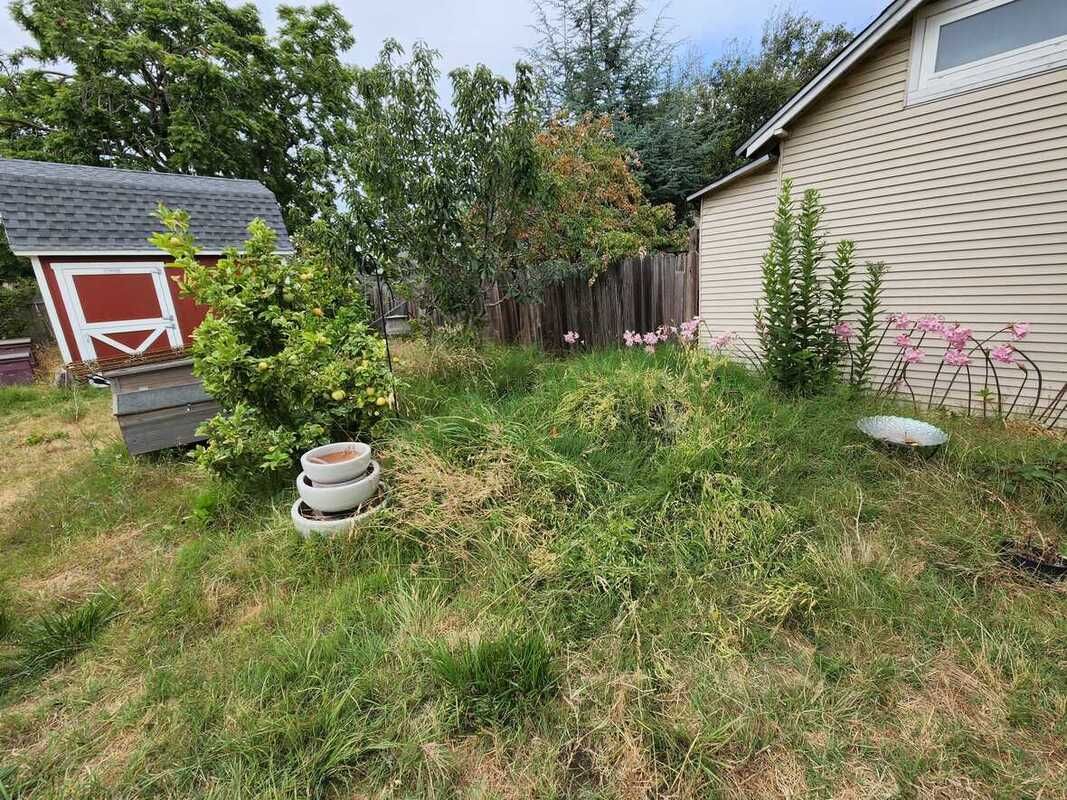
[[931, 324], [1003, 353], [913, 355], [957, 336], [957, 358], [901, 322], [844, 332]]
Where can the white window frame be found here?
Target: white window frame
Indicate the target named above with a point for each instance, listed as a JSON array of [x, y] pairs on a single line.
[[85, 332], [925, 85]]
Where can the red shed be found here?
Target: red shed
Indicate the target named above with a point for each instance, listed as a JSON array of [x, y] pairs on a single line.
[[85, 229]]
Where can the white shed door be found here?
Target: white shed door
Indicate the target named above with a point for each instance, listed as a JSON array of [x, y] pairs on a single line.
[[118, 309]]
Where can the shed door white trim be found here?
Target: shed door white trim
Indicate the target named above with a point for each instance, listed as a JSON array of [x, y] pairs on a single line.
[[85, 333]]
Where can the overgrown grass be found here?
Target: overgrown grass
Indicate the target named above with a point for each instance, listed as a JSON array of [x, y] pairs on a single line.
[[609, 576]]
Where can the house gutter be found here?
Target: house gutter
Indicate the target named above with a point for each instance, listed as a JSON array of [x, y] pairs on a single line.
[[740, 172]]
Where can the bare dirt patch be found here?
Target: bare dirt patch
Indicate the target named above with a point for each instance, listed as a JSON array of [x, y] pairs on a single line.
[[768, 774], [113, 558]]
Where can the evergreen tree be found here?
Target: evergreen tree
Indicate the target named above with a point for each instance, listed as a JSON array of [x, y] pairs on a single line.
[[594, 57], [684, 120]]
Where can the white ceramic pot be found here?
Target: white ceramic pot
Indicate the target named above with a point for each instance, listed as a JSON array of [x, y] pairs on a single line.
[[336, 463], [337, 497], [331, 527]]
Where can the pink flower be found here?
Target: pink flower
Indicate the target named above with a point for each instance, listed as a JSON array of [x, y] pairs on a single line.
[[650, 348], [631, 338], [571, 337], [931, 324], [1003, 353], [1019, 330], [687, 331], [903, 340], [957, 358], [723, 340], [956, 336], [843, 331], [913, 355], [901, 322], [651, 339]]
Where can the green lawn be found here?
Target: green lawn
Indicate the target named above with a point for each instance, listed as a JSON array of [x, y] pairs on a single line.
[[612, 576]]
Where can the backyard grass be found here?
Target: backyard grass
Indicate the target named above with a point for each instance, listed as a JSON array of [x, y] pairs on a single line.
[[611, 576]]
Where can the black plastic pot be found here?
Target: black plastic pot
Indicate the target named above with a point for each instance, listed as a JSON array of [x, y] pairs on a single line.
[[1041, 564]]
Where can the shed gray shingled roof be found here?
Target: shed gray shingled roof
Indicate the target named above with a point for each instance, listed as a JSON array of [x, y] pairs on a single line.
[[57, 209]]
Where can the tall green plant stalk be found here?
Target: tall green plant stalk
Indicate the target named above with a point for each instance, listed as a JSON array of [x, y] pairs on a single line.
[[798, 316], [868, 339], [836, 298], [774, 318], [808, 317]]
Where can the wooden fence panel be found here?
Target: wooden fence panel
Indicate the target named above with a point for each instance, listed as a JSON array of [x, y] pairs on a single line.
[[638, 294]]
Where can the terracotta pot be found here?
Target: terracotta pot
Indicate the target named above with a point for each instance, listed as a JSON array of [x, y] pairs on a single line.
[[336, 463], [337, 497]]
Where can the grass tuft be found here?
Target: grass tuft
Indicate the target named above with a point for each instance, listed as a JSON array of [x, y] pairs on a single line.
[[56, 637], [497, 681]]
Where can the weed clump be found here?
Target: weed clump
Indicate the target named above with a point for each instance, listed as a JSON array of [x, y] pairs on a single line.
[[651, 404], [497, 681]]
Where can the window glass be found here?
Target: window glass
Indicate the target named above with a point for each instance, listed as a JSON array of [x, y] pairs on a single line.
[[1000, 30]]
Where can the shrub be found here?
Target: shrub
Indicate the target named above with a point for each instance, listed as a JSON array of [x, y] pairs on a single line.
[[16, 317], [591, 210], [286, 350], [497, 680], [800, 319]]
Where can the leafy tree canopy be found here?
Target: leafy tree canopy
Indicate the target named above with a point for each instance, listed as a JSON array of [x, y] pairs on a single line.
[[684, 118], [193, 86], [454, 200], [431, 194], [591, 210], [748, 89]]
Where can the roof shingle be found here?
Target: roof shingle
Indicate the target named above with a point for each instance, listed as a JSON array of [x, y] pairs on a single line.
[[55, 209]]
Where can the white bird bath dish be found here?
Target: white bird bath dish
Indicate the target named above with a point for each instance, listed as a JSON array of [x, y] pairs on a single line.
[[903, 432], [336, 463]]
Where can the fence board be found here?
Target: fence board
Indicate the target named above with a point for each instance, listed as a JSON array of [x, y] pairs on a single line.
[[638, 294]]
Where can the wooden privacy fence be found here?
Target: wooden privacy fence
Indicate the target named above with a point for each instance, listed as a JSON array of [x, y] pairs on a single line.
[[637, 294]]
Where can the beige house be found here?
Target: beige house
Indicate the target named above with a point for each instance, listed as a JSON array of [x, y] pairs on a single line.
[[938, 139]]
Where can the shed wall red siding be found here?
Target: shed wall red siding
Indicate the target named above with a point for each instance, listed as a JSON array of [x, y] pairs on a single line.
[[97, 302]]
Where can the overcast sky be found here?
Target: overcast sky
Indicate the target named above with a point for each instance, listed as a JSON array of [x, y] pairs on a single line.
[[493, 32]]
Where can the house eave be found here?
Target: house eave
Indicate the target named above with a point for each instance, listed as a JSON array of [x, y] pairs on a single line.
[[753, 166], [893, 15]]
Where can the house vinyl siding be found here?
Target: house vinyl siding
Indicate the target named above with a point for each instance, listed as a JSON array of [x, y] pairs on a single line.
[[964, 198]]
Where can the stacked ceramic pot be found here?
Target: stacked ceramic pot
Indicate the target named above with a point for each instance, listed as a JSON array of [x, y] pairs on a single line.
[[340, 484]]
